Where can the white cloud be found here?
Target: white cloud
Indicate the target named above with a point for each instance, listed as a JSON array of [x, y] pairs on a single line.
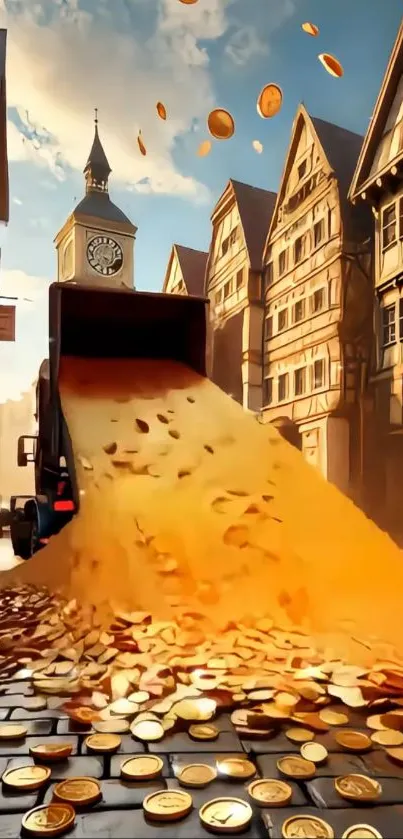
[[244, 45], [57, 73], [17, 201]]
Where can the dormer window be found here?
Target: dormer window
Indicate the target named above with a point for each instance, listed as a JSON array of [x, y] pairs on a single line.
[[302, 170]]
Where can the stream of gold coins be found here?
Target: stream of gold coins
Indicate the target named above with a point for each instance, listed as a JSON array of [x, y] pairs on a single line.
[[150, 678]]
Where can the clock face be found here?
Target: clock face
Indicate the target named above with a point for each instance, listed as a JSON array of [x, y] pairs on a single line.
[[104, 255]]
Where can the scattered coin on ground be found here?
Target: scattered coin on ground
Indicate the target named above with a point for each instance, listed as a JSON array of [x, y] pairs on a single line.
[[103, 742], [78, 791], [307, 826], [141, 767], [196, 775], [268, 792], [388, 737], [234, 767], [226, 815], [167, 805], [49, 820], [356, 787], [361, 831], [51, 751], [296, 767], [203, 732], [147, 730], [299, 735], [26, 777], [12, 731], [314, 752], [353, 741]]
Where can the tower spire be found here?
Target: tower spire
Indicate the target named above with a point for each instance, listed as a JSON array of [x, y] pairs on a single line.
[[97, 169]]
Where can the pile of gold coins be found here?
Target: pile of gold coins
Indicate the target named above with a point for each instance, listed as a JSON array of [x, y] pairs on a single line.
[[149, 678]]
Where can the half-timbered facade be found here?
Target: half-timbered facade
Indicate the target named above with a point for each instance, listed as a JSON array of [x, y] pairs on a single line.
[[185, 271], [318, 303]]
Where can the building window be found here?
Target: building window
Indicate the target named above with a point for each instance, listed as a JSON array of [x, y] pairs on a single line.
[[282, 319], [233, 236], [388, 226], [302, 169], [401, 318], [329, 222], [388, 325], [227, 289], [401, 218], [239, 278], [218, 297], [224, 247], [268, 327], [318, 374], [318, 232], [282, 262], [318, 300], [267, 391], [299, 311], [268, 275], [299, 381], [282, 387], [299, 249]]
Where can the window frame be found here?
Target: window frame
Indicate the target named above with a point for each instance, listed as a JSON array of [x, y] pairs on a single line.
[[321, 225], [297, 372], [385, 245], [218, 297], [268, 333], [301, 301], [302, 241], [229, 284], [320, 361], [388, 325], [268, 274], [267, 391], [237, 283], [315, 310], [282, 271], [283, 311], [283, 377]]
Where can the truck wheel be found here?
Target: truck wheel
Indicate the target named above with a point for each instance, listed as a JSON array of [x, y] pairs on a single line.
[[24, 536]]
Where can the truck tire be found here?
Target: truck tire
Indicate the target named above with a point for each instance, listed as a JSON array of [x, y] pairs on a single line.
[[24, 536]]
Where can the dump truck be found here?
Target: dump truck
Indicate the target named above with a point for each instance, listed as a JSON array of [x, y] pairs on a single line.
[[93, 322]]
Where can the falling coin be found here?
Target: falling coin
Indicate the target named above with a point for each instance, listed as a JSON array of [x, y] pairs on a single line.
[[269, 101], [103, 742], [333, 717], [203, 732], [143, 767], [226, 815], [161, 110], [308, 826], [188, 2], [49, 819], [310, 29], [353, 741], [331, 64], [26, 777], [78, 791], [196, 775], [257, 145], [270, 792], [361, 831], [358, 788], [204, 148], [147, 730], [12, 731], [299, 735], [221, 124], [141, 145], [388, 737], [51, 751], [314, 752], [296, 767], [168, 805], [234, 767]]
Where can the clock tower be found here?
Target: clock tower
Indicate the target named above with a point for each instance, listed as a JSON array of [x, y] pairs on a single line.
[[95, 245]]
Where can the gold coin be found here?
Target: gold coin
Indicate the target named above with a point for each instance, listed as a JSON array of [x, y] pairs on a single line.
[[396, 755], [268, 792], [226, 815], [78, 791], [168, 805], [204, 148], [188, 2], [310, 28], [333, 717], [388, 737], [306, 826], [361, 831], [26, 777], [111, 726], [103, 742], [147, 730], [296, 767], [161, 110], [331, 64], [236, 767], [269, 101], [299, 735], [358, 788], [141, 145], [353, 741], [51, 751], [314, 752], [49, 819], [141, 768], [196, 775], [203, 732], [221, 124], [12, 731]]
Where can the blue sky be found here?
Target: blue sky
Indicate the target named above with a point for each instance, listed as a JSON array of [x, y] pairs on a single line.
[[67, 56]]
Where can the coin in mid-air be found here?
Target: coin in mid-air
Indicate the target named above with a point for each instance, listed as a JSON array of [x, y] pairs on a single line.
[[358, 787], [353, 741], [188, 2], [226, 815], [12, 731], [269, 101], [308, 827], [221, 124], [236, 767], [310, 28], [78, 791], [161, 110], [331, 64], [147, 730], [26, 777], [268, 792], [103, 742], [361, 831], [196, 775], [51, 751], [168, 805], [49, 819], [204, 148], [204, 732], [296, 767], [142, 767], [314, 752]]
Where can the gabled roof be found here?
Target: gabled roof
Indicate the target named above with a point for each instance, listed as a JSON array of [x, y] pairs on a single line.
[[393, 73], [340, 149], [193, 267], [255, 207]]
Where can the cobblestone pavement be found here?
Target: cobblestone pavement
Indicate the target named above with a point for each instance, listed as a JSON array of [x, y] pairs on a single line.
[[119, 813]]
